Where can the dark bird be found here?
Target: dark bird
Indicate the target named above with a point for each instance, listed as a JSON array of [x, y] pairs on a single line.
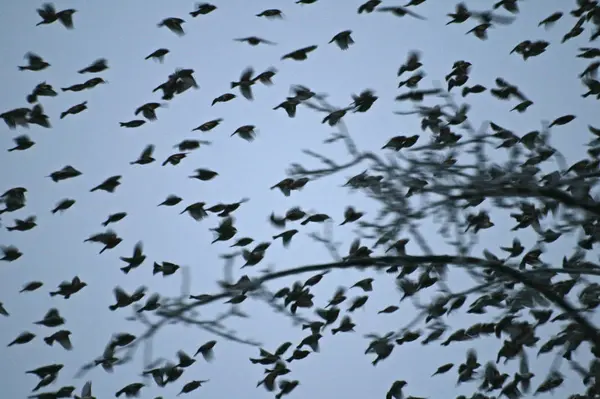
[[286, 236], [400, 12], [148, 110], [52, 318], [109, 185], [266, 76], [63, 205], [173, 24], [412, 63], [223, 98], [245, 83], [114, 218], [134, 260], [22, 143], [343, 39], [17, 116], [11, 253], [174, 159], [271, 13], [247, 132], [206, 350], [67, 172], [49, 15], [132, 124], [22, 338], [191, 386], [97, 66], [203, 9], [36, 63], [68, 288], [550, 20], [152, 303], [31, 286], [38, 117], [369, 6], [289, 105], [75, 109], [301, 54], [41, 89], [204, 174], [171, 200], [158, 55], [190, 144], [62, 337], [145, 157], [23, 224], [208, 126], [130, 390], [254, 41], [196, 211]]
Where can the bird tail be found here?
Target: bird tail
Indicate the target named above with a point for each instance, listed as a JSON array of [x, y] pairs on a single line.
[[48, 340], [63, 114], [54, 293], [22, 68], [10, 228], [156, 269], [126, 269], [105, 223], [113, 307], [234, 84]]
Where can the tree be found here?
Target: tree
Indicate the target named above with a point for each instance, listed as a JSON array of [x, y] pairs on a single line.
[[521, 295]]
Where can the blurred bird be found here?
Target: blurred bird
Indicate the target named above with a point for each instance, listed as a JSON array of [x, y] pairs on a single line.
[[49, 15], [254, 41], [36, 63], [75, 109], [145, 157], [343, 39], [158, 54], [173, 24], [300, 54], [97, 66], [245, 83], [271, 13], [203, 9]]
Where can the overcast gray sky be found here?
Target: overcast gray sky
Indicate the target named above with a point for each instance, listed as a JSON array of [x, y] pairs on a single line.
[[126, 32]]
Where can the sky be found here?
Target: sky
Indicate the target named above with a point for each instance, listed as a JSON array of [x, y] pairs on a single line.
[[125, 33]]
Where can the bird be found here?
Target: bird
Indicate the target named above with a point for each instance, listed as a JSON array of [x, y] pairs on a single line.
[[49, 15], [173, 24], [343, 39], [245, 83], [158, 54], [97, 66], [254, 41], [35, 63], [300, 54]]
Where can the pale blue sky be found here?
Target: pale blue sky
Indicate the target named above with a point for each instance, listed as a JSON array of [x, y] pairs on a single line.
[[126, 32]]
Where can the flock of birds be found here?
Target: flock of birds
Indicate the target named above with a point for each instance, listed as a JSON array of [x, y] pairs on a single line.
[[434, 118]]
